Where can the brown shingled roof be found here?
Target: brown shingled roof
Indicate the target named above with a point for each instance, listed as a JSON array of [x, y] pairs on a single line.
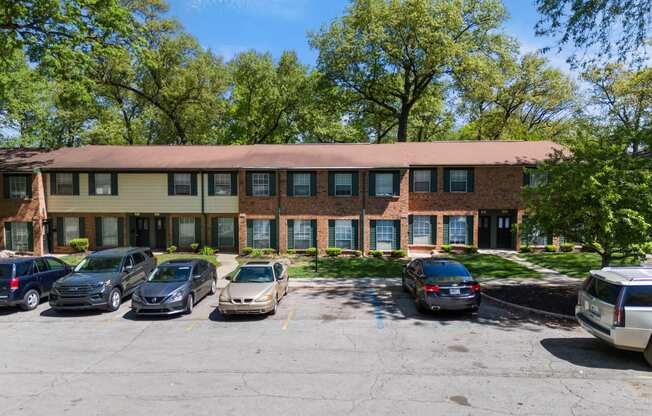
[[23, 159], [301, 156]]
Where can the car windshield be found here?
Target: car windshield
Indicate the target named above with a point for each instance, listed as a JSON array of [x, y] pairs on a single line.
[[165, 274], [449, 272], [99, 264], [6, 270], [254, 275]]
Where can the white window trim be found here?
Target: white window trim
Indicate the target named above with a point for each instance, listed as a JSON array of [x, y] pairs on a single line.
[[266, 185], [384, 195], [349, 225], [466, 180], [268, 231], [217, 184], [73, 223], [113, 220], [58, 176], [15, 233], [462, 219], [176, 184], [301, 234], [349, 185], [294, 184], [414, 182], [428, 233], [20, 193], [385, 224], [102, 193], [185, 240]]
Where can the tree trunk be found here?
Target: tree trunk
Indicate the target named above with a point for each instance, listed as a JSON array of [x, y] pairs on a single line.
[[403, 125], [606, 259]]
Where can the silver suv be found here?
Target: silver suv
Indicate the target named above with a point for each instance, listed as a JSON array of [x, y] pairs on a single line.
[[615, 305]]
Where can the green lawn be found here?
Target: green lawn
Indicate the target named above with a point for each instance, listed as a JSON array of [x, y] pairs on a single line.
[[488, 265], [76, 258], [345, 267], [571, 264]]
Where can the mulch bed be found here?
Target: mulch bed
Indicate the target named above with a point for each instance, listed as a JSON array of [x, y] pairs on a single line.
[[556, 299]]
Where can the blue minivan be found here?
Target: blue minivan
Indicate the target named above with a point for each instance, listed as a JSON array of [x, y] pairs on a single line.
[[25, 280]]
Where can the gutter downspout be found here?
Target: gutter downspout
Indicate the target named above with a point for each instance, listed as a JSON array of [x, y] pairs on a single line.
[[278, 211], [203, 210], [363, 189]]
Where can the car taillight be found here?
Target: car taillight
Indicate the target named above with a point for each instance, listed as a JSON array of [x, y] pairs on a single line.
[[619, 309], [13, 284], [431, 288], [475, 287]]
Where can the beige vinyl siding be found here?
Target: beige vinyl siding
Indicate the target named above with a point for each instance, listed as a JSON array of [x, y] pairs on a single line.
[[219, 204], [137, 192]]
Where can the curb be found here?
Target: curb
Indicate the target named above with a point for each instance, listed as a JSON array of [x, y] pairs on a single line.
[[528, 309]]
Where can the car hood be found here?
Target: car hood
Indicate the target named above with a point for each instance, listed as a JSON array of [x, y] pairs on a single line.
[[74, 279], [247, 290], [159, 289]]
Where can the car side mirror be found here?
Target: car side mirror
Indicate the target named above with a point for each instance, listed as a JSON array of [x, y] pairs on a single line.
[[228, 277]]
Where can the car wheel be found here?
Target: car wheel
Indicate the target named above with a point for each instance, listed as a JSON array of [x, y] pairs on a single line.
[[648, 353], [31, 300], [421, 308], [213, 287], [273, 311], [115, 299], [190, 304]]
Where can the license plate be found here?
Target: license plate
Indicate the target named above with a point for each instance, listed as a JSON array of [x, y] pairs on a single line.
[[595, 310], [454, 291]]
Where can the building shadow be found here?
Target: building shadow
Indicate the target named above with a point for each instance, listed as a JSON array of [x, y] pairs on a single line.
[[593, 353]]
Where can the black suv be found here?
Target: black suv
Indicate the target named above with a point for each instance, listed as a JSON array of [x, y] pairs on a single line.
[[102, 279]]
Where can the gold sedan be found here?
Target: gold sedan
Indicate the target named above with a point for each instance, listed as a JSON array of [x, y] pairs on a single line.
[[256, 288]]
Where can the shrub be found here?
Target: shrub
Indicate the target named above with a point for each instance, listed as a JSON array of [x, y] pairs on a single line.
[[526, 249], [551, 248], [269, 251], [399, 254], [376, 253], [291, 251], [567, 247], [446, 248], [207, 251], [256, 252], [357, 253], [80, 245], [171, 249], [194, 247], [470, 249], [247, 251], [333, 251], [311, 251]]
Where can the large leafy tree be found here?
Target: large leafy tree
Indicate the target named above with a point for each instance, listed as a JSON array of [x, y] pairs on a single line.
[[391, 53], [598, 194]]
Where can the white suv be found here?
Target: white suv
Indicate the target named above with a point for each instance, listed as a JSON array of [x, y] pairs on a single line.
[[615, 305]]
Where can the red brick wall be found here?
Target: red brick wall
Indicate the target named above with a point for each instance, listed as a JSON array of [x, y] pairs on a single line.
[[28, 210]]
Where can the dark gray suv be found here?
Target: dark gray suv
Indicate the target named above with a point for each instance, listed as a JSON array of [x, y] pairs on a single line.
[[102, 279]]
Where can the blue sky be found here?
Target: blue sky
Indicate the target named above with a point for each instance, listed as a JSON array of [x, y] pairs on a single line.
[[230, 26]]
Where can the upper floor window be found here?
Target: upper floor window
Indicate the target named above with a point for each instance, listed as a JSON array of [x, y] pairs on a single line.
[[182, 183], [301, 184], [17, 187], [458, 180], [422, 180], [102, 183], [538, 179], [343, 184], [260, 184], [64, 183], [384, 184], [222, 184]]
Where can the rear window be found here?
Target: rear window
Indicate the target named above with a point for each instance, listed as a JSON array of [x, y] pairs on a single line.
[[605, 291], [6, 271], [638, 296], [445, 271], [24, 268]]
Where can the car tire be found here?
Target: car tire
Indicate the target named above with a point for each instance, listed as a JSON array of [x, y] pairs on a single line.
[[190, 304], [213, 287], [420, 307], [273, 311], [647, 354], [31, 300], [115, 300]]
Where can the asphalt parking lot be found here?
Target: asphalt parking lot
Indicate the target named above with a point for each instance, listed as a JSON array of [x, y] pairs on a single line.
[[327, 351]]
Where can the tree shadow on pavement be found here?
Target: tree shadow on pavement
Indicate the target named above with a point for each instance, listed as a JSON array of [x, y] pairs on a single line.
[[593, 353]]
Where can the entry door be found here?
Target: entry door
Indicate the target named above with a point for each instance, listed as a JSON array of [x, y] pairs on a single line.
[[47, 237], [226, 234], [484, 231], [504, 232], [142, 232], [159, 231]]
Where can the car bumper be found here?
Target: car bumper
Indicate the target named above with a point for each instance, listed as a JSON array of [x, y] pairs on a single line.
[[451, 303], [632, 339], [169, 308], [10, 299], [253, 308], [92, 301]]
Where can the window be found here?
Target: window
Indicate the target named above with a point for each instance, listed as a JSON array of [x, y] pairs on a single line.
[[384, 184], [261, 237], [385, 235], [457, 230], [70, 229], [200, 268], [301, 184], [102, 183], [639, 296], [20, 236], [458, 180], [343, 184], [222, 184], [186, 231], [226, 232], [538, 178], [278, 270], [538, 238], [182, 183], [64, 183], [260, 184], [344, 234], [421, 230], [110, 232], [139, 258], [421, 181], [55, 264], [18, 187], [302, 234]]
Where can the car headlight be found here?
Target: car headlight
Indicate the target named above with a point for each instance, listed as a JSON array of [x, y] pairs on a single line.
[[176, 296], [104, 285], [267, 297], [135, 296]]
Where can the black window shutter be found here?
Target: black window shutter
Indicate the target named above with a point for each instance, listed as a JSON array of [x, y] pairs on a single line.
[[355, 181], [60, 232], [175, 232], [75, 183], [397, 183], [272, 183], [313, 183], [372, 234], [121, 231], [211, 184], [28, 181], [331, 233], [313, 228], [250, 231], [5, 186], [290, 234], [30, 236], [411, 229], [91, 184], [290, 183], [234, 183], [8, 238], [82, 227], [193, 184], [433, 229], [470, 180], [170, 183], [331, 183], [446, 233], [198, 230], [273, 234], [433, 180], [53, 184], [397, 235], [411, 180], [98, 232], [114, 183], [447, 181], [356, 231], [248, 184], [469, 229], [215, 235], [526, 178], [372, 184]]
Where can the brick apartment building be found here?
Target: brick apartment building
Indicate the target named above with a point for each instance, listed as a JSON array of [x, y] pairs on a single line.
[[414, 196]]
